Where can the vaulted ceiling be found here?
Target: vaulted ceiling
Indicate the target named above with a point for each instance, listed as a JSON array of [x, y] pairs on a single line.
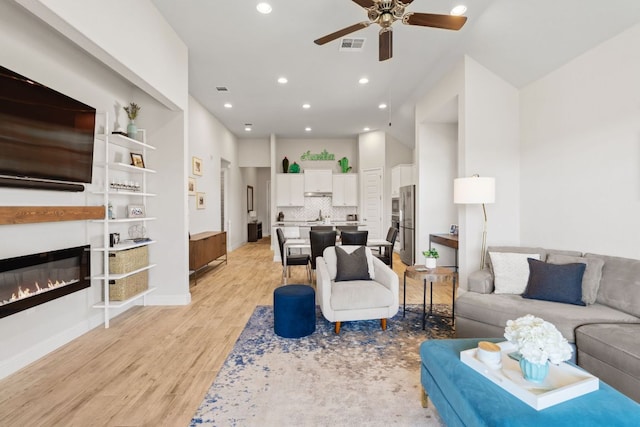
[[233, 46]]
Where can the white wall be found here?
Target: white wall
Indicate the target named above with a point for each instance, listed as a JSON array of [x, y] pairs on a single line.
[[210, 141], [581, 152], [439, 160], [33, 49], [488, 127], [254, 153], [131, 38]]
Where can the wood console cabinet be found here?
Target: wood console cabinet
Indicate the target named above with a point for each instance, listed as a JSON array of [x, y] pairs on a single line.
[[206, 247], [254, 231]]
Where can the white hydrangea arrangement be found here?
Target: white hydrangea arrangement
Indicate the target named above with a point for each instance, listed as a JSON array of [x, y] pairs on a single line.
[[537, 340]]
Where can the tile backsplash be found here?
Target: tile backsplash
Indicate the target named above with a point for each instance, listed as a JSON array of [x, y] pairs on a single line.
[[312, 208]]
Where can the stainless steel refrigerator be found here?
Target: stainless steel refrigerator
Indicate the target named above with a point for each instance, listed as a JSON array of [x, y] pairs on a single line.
[[407, 217]]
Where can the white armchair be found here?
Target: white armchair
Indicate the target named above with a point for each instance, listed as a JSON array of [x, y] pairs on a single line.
[[356, 299]]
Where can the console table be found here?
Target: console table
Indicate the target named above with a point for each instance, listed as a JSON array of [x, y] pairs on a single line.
[[448, 240], [206, 247], [254, 231]]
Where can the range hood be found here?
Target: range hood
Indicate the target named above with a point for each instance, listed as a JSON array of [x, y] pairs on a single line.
[[317, 194]]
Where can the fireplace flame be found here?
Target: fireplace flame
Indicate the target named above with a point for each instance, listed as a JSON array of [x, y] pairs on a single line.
[[27, 292]]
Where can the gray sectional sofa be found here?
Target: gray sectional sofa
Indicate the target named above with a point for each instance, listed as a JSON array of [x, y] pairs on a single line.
[[606, 331]]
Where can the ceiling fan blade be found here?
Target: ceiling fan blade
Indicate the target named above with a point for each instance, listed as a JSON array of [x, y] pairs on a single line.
[[447, 22], [365, 3], [342, 32], [385, 44], [405, 2]]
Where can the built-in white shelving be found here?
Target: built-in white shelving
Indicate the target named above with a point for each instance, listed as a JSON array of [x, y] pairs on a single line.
[[131, 184]]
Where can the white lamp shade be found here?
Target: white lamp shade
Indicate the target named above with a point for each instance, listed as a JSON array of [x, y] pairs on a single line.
[[474, 190]]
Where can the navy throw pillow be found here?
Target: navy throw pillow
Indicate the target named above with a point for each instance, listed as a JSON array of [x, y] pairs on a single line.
[[555, 282], [351, 266]]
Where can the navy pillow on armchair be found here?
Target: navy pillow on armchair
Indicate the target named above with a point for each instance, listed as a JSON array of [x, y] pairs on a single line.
[[555, 282]]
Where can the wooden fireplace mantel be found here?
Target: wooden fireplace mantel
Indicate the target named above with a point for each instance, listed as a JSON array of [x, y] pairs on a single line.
[[33, 214]]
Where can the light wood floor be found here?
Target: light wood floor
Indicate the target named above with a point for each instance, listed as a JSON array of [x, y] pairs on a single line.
[[153, 366]]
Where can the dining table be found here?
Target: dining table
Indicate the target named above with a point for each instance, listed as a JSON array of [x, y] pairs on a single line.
[[306, 244]]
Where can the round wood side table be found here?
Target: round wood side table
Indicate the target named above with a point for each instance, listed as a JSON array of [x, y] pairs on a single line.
[[431, 275]]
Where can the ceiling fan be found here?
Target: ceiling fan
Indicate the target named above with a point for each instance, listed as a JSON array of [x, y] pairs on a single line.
[[385, 13]]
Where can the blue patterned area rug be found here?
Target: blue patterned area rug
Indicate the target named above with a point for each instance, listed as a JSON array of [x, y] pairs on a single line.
[[364, 376]]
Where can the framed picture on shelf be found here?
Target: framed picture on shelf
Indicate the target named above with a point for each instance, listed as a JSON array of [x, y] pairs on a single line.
[[192, 186], [200, 200], [135, 211], [137, 160], [453, 229], [196, 164]]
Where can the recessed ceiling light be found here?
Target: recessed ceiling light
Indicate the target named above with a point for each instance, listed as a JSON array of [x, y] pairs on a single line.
[[282, 80], [307, 129], [458, 10], [264, 8], [247, 128], [363, 81], [227, 105], [306, 106], [366, 129], [382, 106]]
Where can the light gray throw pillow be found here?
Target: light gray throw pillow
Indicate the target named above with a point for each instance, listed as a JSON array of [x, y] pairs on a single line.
[[592, 274]]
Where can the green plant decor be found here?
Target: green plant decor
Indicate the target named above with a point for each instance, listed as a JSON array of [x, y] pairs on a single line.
[[431, 253], [294, 168], [132, 110]]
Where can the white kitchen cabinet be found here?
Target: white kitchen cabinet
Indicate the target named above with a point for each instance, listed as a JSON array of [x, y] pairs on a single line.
[[318, 181], [290, 189], [401, 175], [345, 189]]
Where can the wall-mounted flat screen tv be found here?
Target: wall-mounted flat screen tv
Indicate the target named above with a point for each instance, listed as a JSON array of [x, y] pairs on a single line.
[[44, 134]]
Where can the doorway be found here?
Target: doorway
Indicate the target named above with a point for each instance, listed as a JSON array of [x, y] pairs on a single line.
[[372, 201]]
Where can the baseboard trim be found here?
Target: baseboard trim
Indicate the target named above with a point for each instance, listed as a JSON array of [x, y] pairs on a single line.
[[41, 349]]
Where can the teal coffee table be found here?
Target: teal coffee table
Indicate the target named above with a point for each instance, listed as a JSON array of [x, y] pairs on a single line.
[[464, 397]]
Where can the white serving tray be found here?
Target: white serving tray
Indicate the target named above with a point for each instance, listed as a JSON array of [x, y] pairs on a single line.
[[563, 383]]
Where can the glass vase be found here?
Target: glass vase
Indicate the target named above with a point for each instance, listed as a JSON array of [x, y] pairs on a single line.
[[534, 372], [132, 129]]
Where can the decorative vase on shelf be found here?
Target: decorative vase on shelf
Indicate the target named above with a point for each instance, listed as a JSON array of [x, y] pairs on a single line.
[[285, 165], [132, 129], [430, 262], [294, 168], [534, 372]]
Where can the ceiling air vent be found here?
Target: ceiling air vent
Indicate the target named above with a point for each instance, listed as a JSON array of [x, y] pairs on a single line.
[[222, 89], [352, 44]]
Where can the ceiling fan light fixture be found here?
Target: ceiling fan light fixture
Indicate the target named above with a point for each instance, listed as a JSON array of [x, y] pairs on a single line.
[[264, 8], [458, 10]]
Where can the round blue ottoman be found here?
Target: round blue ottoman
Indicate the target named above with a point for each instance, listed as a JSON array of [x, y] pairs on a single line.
[[294, 311]]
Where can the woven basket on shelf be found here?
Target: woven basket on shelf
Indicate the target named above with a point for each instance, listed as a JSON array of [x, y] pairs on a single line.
[[122, 289], [128, 260]]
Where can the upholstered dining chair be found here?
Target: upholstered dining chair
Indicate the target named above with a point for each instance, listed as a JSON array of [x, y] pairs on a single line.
[[301, 259], [354, 237], [386, 252], [319, 241]]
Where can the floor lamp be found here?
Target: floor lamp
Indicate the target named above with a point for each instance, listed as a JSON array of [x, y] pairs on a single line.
[[476, 190]]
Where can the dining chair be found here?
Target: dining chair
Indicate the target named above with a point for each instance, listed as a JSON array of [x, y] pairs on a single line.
[[319, 241], [301, 259], [386, 252], [354, 237]]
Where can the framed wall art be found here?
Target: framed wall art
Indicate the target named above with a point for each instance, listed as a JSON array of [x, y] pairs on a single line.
[[200, 200], [191, 187], [196, 164], [249, 198]]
